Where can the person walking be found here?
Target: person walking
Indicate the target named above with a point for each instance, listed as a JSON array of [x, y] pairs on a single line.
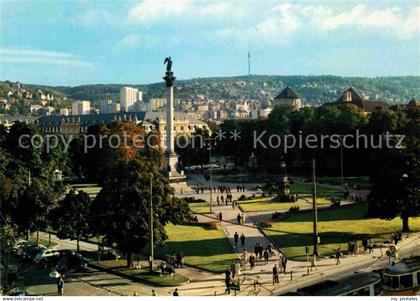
[[337, 256], [252, 261], [218, 200], [237, 268], [227, 280], [242, 240], [275, 274], [222, 198], [266, 256], [238, 217], [236, 238], [284, 263], [60, 285], [176, 292], [245, 257], [313, 263], [221, 216]]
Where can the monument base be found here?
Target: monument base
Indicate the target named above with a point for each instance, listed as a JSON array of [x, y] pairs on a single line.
[[170, 169]]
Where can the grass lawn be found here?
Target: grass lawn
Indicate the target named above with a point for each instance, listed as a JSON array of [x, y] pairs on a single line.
[[336, 227], [362, 182], [201, 208], [266, 204], [43, 242], [306, 188], [88, 188], [143, 274], [204, 248]]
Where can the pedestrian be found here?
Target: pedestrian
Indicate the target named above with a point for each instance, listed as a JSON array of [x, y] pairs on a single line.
[[242, 240], [60, 285], [236, 238], [245, 257], [313, 262], [266, 256], [252, 261], [154, 293], [227, 280], [275, 274], [237, 268], [284, 263], [238, 217], [256, 249], [221, 216], [176, 292], [218, 200], [337, 256], [222, 198]]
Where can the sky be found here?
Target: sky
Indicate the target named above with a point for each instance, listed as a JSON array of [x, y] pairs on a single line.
[[91, 42]]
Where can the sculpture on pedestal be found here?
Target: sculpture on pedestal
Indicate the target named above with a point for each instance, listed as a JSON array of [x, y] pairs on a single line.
[[284, 186], [171, 167]]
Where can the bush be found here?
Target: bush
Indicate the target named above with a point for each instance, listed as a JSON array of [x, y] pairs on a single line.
[[266, 224], [242, 198], [191, 200], [294, 209]]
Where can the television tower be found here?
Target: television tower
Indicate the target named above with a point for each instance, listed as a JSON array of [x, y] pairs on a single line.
[[249, 63]]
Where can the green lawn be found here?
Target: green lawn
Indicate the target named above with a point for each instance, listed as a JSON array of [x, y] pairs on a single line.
[[306, 188], [143, 274], [200, 208], [88, 188], [336, 227], [204, 248], [266, 204], [362, 182], [43, 242]]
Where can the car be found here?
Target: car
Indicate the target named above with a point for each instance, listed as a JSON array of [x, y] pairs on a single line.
[[32, 251], [45, 253], [51, 261], [26, 246], [18, 246], [70, 263]]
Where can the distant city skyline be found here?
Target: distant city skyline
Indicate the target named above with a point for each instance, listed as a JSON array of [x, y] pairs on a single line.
[[125, 42]]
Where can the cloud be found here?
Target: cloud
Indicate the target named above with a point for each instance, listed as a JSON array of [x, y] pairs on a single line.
[[93, 17], [360, 16], [134, 40], [151, 12], [9, 55], [276, 28]]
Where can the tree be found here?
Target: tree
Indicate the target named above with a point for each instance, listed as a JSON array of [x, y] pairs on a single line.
[[120, 210], [71, 217], [395, 182], [29, 211]]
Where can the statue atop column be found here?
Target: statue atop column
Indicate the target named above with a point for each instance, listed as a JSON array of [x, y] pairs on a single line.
[[169, 77]]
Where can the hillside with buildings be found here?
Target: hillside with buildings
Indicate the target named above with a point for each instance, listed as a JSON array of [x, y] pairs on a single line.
[[17, 98]]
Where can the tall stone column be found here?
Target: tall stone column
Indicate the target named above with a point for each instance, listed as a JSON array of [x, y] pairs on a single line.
[[170, 120]]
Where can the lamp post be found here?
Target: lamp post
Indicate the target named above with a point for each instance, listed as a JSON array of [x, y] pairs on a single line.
[[314, 207], [151, 255], [210, 175]]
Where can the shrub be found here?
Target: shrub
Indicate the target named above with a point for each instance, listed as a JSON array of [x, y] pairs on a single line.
[[266, 224]]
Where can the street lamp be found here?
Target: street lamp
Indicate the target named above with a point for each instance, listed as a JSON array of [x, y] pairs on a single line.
[[210, 175], [314, 207], [151, 255]]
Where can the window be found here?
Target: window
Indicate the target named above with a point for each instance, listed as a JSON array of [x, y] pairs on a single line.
[[407, 281]]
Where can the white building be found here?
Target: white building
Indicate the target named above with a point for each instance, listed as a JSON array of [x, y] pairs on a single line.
[[80, 107], [156, 103], [64, 112], [128, 98], [108, 106]]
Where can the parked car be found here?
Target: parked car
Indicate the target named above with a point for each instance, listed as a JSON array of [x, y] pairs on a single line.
[[110, 254], [31, 251], [45, 253], [71, 262], [18, 246], [51, 261]]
